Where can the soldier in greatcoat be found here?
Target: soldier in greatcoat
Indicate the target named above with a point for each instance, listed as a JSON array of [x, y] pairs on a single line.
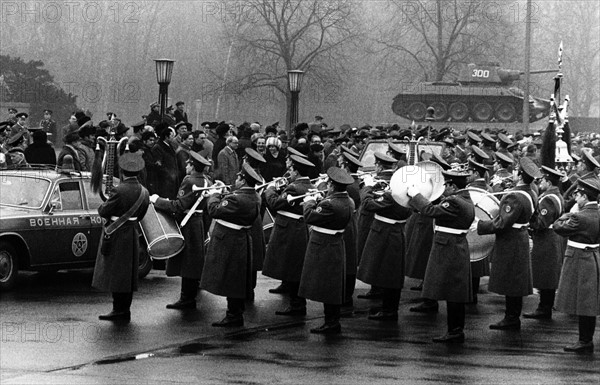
[[547, 251], [579, 287], [323, 272], [351, 165], [382, 261], [256, 160], [511, 263], [287, 246], [587, 169], [384, 166], [116, 269], [189, 262], [503, 176], [448, 274], [228, 262], [479, 268]]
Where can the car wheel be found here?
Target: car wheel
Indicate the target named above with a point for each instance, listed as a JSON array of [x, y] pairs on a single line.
[[145, 262], [9, 266]]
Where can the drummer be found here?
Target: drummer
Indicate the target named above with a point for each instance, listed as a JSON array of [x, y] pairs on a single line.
[[189, 262], [447, 276]]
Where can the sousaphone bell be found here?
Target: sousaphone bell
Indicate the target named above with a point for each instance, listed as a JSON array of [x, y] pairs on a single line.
[[426, 176]]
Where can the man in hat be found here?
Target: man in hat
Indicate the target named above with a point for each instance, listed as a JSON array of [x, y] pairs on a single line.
[[287, 246], [587, 169], [323, 276], [578, 289], [256, 161], [148, 141], [71, 148], [189, 262], [503, 176], [180, 114], [460, 151], [154, 118], [448, 269], [478, 175], [21, 126], [547, 251], [222, 132], [87, 144], [228, 162], [228, 264], [511, 271], [351, 165], [488, 145], [116, 268], [165, 164], [16, 150], [398, 152], [40, 151], [49, 125], [503, 143], [12, 115], [384, 168], [382, 260]]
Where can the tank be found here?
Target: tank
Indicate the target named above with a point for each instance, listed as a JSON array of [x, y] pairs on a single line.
[[482, 93]]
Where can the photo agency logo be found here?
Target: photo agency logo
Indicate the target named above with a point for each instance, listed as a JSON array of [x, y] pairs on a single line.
[[88, 92], [18, 12], [49, 332], [483, 11]]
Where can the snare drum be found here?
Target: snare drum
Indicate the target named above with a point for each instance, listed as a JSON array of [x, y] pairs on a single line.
[[162, 234]]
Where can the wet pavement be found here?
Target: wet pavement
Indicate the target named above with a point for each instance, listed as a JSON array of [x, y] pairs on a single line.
[[50, 335]]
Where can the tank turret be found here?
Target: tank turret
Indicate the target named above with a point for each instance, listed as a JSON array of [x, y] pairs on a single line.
[[482, 93]]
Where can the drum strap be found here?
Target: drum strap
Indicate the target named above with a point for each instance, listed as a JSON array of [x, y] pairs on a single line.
[[556, 200], [528, 198], [125, 217], [582, 246]]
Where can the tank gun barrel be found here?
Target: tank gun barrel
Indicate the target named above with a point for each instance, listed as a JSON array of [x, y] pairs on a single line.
[[539, 72]]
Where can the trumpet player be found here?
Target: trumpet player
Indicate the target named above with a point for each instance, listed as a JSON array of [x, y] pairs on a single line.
[[287, 246], [351, 165], [323, 276], [228, 263], [382, 261], [511, 269], [547, 251], [384, 167], [188, 263], [256, 160], [447, 276], [502, 179], [579, 286], [587, 168]]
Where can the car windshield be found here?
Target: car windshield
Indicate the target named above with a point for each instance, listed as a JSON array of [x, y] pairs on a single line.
[[22, 191]]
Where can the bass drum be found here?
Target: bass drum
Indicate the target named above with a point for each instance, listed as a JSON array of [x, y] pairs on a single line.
[[162, 234], [486, 208]]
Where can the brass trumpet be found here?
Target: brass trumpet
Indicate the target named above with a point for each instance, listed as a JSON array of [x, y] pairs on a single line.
[[305, 195], [218, 185], [277, 182]]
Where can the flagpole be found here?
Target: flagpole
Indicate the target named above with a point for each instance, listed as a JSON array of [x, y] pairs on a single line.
[[527, 67]]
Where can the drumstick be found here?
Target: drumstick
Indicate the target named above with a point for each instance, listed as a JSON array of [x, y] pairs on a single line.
[[194, 207]]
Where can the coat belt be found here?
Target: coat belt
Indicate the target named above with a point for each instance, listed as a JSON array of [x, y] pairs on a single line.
[[389, 220], [232, 225], [326, 231], [289, 215], [519, 225], [133, 219], [450, 230], [582, 246]]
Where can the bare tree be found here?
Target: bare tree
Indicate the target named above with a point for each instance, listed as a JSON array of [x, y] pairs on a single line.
[[434, 36], [269, 37]]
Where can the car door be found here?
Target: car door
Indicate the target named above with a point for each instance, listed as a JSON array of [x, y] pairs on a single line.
[[66, 227]]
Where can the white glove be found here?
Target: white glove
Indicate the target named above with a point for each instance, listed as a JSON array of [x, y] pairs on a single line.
[[474, 224], [309, 198], [369, 180], [412, 191], [153, 198], [289, 198]]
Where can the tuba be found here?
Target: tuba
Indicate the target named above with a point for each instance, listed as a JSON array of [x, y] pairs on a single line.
[[427, 176]]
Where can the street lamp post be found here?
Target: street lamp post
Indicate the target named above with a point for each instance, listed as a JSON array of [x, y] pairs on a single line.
[[164, 70], [294, 83]]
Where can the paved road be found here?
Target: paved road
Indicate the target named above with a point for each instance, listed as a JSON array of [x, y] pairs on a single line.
[[50, 335]]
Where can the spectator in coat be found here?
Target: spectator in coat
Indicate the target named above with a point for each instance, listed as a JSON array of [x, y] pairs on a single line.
[[40, 151], [165, 161], [229, 164]]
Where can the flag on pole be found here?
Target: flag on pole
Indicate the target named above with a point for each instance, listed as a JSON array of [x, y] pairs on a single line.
[[560, 52]]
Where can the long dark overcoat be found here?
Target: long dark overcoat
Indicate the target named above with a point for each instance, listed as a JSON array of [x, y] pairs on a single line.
[[118, 270]]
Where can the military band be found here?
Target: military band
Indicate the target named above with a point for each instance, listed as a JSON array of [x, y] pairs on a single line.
[[347, 225]]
